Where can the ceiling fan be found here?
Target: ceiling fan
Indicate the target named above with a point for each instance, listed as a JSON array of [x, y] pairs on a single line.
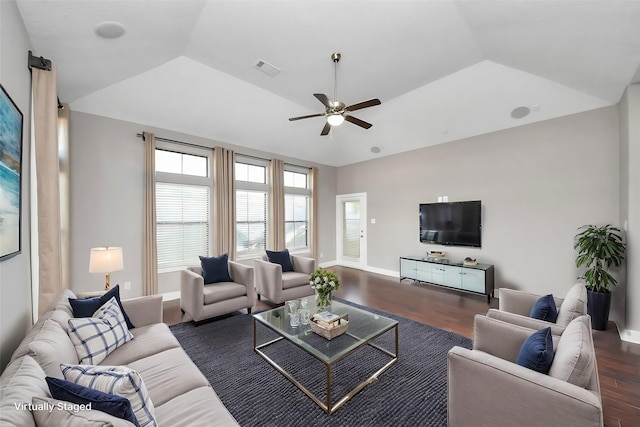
[[337, 112]]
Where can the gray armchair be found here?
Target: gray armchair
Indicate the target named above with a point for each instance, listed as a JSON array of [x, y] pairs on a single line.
[[515, 306], [487, 388], [278, 286], [202, 301]]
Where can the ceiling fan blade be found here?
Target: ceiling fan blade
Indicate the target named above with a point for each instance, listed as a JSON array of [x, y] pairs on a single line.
[[365, 104], [305, 117], [358, 122], [323, 98], [325, 129]]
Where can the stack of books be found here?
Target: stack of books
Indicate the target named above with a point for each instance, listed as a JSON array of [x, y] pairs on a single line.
[[329, 325], [326, 320]]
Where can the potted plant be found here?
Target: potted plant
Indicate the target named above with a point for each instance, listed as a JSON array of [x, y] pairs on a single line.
[[599, 249], [324, 282]]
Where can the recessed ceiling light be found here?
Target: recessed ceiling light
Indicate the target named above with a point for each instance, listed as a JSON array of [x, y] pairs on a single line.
[[520, 112], [376, 150], [109, 30]]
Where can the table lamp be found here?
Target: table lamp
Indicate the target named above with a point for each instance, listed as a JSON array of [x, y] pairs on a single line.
[[105, 260]]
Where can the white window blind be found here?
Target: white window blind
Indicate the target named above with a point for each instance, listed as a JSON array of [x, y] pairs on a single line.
[[251, 222], [296, 221], [296, 207], [182, 221]]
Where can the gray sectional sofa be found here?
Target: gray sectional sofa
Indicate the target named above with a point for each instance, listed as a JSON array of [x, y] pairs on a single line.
[[180, 393]]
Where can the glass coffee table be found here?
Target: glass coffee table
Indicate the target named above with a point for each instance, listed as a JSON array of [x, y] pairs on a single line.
[[364, 327]]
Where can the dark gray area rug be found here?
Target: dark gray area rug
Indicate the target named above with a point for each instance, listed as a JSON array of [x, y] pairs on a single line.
[[413, 392]]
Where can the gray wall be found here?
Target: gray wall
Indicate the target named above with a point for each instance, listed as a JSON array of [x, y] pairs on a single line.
[[15, 273], [626, 299], [107, 197], [538, 183]]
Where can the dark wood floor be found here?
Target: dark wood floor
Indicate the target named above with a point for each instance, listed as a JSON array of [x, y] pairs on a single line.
[[618, 361]]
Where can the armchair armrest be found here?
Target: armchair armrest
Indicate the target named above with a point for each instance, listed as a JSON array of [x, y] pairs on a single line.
[[303, 264], [268, 278], [145, 310], [485, 390], [515, 301], [243, 275], [500, 339], [525, 321], [191, 292]]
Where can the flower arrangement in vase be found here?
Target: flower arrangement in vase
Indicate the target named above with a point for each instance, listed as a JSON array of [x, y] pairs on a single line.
[[324, 282]]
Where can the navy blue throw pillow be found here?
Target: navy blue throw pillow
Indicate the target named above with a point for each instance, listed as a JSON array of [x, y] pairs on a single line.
[[215, 269], [282, 258], [537, 351], [75, 393], [85, 307], [545, 309]]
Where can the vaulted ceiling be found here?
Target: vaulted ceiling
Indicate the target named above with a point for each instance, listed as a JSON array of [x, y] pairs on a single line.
[[444, 70]]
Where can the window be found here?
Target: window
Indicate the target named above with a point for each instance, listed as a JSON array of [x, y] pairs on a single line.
[[183, 207], [252, 198], [296, 207]]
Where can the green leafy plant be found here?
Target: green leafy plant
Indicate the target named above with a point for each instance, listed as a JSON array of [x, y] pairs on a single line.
[[599, 249]]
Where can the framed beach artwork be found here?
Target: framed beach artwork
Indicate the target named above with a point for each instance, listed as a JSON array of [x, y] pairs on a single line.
[[10, 176]]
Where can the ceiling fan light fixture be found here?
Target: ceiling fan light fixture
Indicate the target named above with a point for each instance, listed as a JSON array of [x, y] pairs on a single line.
[[335, 119]]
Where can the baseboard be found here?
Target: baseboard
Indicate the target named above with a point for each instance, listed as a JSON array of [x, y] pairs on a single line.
[[628, 335], [384, 272]]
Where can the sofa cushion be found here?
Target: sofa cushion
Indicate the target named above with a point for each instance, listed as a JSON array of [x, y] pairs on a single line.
[[51, 347], [293, 279], [23, 348], [63, 302], [21, 380], [545, 309], [168, 374], [281, 257], [68, 415], [215, 269], [95, 337], [75, 393], [118, 380], [62, 318], [537, 351], [574, 305], [87, 307], [195, 408], [223, 291], [148, 340], [575, 357]]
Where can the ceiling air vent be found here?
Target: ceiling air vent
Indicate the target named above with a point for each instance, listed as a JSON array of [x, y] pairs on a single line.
[[266, 68]]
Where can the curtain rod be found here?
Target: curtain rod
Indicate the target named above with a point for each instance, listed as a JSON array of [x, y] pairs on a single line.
[[190, 144]]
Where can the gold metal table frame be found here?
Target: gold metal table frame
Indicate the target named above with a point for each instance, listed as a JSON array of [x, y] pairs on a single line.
[[329, 407]]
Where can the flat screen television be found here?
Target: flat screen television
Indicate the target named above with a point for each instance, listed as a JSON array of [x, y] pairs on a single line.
[[453, 224]]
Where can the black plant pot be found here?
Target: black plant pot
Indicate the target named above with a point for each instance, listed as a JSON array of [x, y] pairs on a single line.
[[598, 305]]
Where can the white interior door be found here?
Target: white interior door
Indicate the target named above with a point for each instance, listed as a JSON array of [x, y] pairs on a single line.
[[351, 221]]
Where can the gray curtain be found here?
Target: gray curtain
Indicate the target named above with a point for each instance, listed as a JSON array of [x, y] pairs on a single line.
[[149, 239], [224, 202], [276, 233], [313, 232], [46, 238]]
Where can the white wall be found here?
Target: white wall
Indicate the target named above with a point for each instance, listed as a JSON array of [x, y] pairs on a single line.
[[107, 197], [15, 273], [538, 183]]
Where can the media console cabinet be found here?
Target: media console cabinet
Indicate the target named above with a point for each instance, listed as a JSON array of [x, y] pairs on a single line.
[[477, 279]]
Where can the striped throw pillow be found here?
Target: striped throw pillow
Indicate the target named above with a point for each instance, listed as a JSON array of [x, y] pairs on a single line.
[[95, 337], [118, 380]]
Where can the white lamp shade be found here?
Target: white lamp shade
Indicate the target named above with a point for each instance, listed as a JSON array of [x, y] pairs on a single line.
[[105, 260], [335, 119]]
